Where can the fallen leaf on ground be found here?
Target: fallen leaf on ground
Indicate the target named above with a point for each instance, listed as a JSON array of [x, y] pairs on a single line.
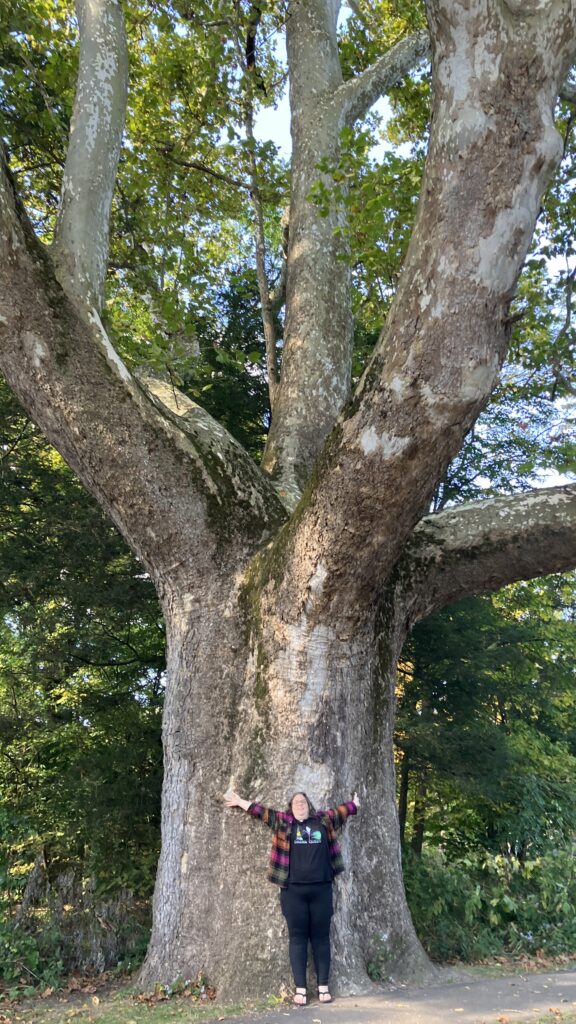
[[76, 984]]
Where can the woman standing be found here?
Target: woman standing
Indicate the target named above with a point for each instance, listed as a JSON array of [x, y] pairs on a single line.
[[304, 859]]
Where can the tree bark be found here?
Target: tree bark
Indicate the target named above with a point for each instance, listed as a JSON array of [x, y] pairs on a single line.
[[81, 238], [481, 546]]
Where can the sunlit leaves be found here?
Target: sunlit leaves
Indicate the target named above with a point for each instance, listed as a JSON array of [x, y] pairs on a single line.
[[181, 217], [373, 28], [37, 77]]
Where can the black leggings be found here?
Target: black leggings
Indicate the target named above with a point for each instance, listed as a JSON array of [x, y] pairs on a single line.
[[308, 912]]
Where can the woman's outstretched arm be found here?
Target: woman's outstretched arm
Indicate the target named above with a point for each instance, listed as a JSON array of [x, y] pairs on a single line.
[[343, 811], [267, 815]]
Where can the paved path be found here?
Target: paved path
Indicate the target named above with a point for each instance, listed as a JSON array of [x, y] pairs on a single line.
[[522, 997]]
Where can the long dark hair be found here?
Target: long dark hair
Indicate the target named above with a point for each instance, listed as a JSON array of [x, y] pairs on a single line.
[[311, 808]]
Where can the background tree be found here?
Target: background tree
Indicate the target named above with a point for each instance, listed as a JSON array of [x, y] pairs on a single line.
[[81, 687], [485, 721], [284, 627], [494, 752]]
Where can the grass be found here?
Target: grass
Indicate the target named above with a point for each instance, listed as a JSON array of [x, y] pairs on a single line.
[[569, 1017], [121, 1006]]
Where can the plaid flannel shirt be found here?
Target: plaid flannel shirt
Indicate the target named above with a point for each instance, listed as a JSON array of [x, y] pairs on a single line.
[[281, 824]]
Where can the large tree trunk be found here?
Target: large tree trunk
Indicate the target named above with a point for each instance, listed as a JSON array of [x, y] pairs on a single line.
[[272, 708], [206, 655]]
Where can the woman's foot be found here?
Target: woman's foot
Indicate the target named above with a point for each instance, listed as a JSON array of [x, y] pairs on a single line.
[[299, 997], [324, 994]]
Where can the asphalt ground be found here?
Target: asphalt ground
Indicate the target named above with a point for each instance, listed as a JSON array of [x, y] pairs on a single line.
[[502, 1000]]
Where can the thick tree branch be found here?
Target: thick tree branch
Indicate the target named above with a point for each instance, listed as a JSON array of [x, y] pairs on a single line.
[[359, 94], [81, 237], [177, 495], [481, 546]]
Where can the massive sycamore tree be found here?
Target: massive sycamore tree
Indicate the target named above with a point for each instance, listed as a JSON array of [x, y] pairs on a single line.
[[289, 588]]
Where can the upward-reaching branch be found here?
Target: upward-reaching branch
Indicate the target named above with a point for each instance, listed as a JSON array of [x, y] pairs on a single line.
[[359, 94], [81, 237], [317, 350]]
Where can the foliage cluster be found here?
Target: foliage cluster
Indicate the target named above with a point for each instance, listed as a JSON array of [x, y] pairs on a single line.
[[487, 904], [486, 724], [81, 689], [486, 749]]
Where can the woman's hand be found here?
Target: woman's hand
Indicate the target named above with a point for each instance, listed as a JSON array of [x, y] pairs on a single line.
[[356, 799], [231, 799]]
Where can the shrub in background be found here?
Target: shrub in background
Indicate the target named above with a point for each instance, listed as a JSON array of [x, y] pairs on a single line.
[[487, 905]]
